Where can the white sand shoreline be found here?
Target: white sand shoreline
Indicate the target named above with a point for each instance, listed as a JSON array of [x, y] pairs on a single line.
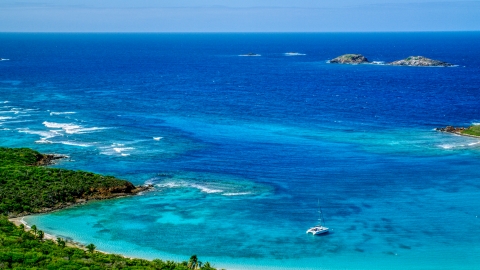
[[20, 220]]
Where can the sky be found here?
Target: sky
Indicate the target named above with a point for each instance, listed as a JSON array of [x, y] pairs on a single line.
[[238, 15]]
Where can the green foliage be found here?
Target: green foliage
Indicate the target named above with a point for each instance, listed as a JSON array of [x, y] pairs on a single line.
[[18, 156], [91, 247], [21, 250], [29, 189], [473, 130]]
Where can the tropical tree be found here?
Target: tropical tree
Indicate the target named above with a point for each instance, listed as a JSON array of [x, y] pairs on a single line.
[[194, 263], [40, 235], [34, 229], [60, 242], [207, 266], [91, 248]]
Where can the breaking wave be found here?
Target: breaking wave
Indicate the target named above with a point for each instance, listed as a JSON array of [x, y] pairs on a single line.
[[70, 128], [210, 184], [61, 113]]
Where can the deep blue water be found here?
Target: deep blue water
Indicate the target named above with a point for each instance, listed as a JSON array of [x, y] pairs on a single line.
[[241, 149]]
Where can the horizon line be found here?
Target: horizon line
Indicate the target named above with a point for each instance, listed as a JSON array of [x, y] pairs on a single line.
[[233, 32]]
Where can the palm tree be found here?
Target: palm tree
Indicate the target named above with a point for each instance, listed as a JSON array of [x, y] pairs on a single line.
[[40, 235], [193, 263], [60, 242], [34, 229], [91, 247]]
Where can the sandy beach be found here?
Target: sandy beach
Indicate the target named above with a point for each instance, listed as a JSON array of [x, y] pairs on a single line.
[[20, 220]]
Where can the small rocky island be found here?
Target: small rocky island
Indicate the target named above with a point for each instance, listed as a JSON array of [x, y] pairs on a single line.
[[350, 59], [419, 61]]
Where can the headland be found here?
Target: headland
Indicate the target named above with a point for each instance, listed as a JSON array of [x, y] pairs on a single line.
[[27, 187], [472, 131]]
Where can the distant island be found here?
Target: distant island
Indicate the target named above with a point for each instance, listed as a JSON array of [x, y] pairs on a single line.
[[349, 59], [420, 61], [412, 61], [27, 187], [472, 131]]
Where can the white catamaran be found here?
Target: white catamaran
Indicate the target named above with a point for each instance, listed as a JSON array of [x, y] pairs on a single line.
[[320, 228]]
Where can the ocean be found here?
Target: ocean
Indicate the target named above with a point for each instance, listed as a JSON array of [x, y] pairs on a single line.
[[242, 151]]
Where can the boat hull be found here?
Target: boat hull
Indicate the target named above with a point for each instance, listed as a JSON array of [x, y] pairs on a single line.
[[318, 230]]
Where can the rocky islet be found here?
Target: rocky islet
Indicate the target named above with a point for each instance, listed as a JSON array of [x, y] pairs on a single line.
[[412, 61]]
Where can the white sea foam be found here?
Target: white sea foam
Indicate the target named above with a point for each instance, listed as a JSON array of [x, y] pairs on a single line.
[[2, 118], [459, 145], [74, 143], [120, 149], [236, 193], [294, 54], [61, 113], [157, 138], [116, 149], [447, 146], [185, 184], [43, 134], [70, 128], [83, 130], [43, 141], [6, 101], [63, 126], [475, 124], [206, 189]]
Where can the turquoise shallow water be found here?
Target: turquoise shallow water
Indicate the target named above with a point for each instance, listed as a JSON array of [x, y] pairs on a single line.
[[241, 149]]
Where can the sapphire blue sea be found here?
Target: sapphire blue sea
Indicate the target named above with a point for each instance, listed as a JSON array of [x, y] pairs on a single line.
[[241, 149]]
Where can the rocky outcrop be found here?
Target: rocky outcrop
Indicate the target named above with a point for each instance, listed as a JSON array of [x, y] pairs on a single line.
[[451, 129], [420, 61], [116, 191], [98, 194], [472, 131], [350, 59], [47, 159]]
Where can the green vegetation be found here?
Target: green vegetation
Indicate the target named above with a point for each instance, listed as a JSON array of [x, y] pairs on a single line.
[[349, 56], [27, 188], [21, 249], [473, 130], [19, 156], [31, 189]]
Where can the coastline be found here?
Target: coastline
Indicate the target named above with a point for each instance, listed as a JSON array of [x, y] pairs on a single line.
[[137, 191], [456, 131], [20, 220]]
